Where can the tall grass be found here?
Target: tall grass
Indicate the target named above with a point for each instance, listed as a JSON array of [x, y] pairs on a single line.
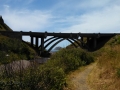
[[106, 75]]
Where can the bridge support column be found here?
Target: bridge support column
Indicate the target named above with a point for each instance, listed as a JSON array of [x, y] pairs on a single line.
[[36, 43], [95, 43], [88, 42], [20, 36], [42, 44], [82, 41], [31, 40]]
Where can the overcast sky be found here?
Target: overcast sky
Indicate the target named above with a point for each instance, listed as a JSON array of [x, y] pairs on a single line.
[[62, 15]]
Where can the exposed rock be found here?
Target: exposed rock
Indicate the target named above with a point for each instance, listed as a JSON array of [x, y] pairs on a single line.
[[1, 19]]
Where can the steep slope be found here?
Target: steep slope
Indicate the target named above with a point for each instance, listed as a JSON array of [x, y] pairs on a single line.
[[106, 74], [3, 26], [12, 49]]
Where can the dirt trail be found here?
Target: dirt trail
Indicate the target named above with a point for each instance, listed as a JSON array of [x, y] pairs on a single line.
[[80, 79]]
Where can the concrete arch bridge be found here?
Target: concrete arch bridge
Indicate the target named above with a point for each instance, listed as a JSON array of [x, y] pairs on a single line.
[[89, 41]]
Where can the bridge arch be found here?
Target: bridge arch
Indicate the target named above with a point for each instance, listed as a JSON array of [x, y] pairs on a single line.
[[72, 43], [47, 40], [66, 39], [51, 42], [61, 41], [55, 45], [59, 38], [56, 38], [76, 41]]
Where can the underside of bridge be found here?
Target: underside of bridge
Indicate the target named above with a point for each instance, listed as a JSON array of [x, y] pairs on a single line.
[[88, 41], [50, 43]]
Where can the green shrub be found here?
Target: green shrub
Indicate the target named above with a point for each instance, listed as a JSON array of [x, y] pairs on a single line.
[[118, 40], [87, 58], [118, 72], [15, 48], [44, 78], [70, 59], [51, 75]]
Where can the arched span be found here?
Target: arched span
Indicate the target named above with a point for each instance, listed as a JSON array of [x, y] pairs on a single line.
[[76, 41], [85, 45], [72, 42], [54, 45], [51, 42], [59, 42], [66, 39], [47, 40], [57, 39]]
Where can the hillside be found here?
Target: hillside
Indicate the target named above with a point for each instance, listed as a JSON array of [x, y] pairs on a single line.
[[106, 74], [3, 26], [14, 48]]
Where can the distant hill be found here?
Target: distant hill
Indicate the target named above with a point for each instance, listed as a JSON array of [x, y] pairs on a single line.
[[58, 48], [3, 26]]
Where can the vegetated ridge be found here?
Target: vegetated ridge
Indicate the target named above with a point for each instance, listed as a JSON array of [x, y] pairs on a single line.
[[106, 74], [14, 48], [3, 26]]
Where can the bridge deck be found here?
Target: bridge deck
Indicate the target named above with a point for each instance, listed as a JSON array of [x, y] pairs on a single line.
[[64, 35]]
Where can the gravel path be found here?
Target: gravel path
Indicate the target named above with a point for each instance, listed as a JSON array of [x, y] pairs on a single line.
[[80, 79]]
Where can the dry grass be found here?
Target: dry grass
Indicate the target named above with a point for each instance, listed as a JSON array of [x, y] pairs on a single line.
[[103, 76], [77, 79], [71, 76]]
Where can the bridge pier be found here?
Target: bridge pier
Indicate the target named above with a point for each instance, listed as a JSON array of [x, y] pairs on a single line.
[[88, 42], [41, 51], [95, 43], [42, 44], [31, 40], [82, 41], [36, 43]]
